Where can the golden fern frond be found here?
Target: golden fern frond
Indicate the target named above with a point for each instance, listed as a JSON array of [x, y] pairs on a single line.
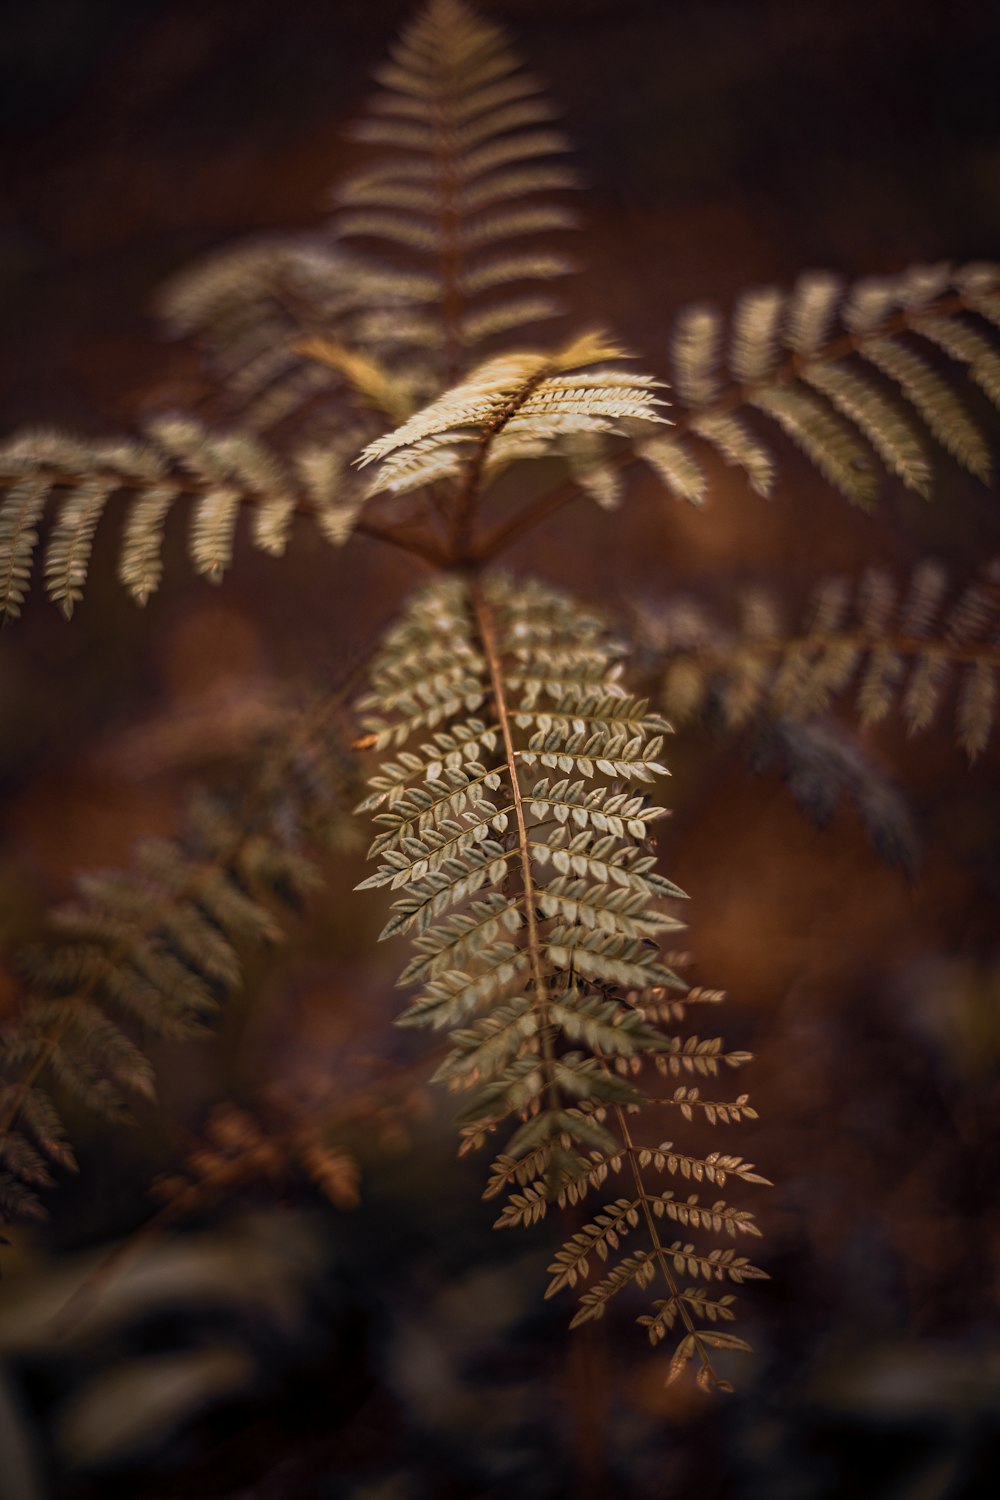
[[518, 403], [251, 308], [852, 375], [515, 832], [896, 650], [154, 950], [219, 473], [466, 160]]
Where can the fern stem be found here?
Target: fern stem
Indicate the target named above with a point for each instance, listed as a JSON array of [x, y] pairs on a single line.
[[450, 258], [487, 633], [539, 510], [469, 488]]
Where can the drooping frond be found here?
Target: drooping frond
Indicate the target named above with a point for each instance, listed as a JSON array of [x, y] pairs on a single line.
[[254, 308], [515, 405], [219, 474], [459, 185], [515, 831], [896, 650], [154, 950], [857, 377], [654, 1226]]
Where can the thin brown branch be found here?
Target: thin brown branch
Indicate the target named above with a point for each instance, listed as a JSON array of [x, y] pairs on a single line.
[[487, 634], [537, 511], [469, 489]]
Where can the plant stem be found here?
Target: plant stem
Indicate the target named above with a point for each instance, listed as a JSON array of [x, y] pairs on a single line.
[[487, 634]]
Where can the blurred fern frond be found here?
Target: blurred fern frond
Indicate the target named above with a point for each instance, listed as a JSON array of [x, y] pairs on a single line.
[[250, 308], [459, 186], [220, 474], [304, 1131], [897, 650], [518, 844], [852, 375], [154, 950]]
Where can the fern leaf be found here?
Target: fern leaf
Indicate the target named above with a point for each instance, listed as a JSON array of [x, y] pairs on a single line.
[[934, 401], [20, 512], [253, 306], [534, 392], [140, 567], [738, 446], [682, 474], [219, 474], [799, 360], [890, 433], [213, 527], [461, 122], [824, 439]]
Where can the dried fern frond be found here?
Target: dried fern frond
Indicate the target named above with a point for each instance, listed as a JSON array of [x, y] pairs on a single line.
[[154, 950], [460, 183], [852, 375], [220, 474], [518, 403], [895, 650], [516, 834]]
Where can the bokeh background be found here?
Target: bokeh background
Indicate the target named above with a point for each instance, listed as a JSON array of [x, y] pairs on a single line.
[[276, 1345]]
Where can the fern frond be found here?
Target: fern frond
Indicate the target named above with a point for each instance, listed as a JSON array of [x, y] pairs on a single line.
[[533, 396], [463, 177], [536, 906], [896, 650], [153, 951], [852, 376], [218, 473]]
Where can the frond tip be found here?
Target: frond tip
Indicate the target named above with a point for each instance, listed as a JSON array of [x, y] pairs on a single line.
[[515, 831], [463, 165], [516, 404]]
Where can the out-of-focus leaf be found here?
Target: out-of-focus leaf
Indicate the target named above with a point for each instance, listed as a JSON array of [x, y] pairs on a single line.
[[139, 1402]]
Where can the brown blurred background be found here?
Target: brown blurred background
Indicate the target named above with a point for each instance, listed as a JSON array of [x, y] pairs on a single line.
[[724, 144]]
